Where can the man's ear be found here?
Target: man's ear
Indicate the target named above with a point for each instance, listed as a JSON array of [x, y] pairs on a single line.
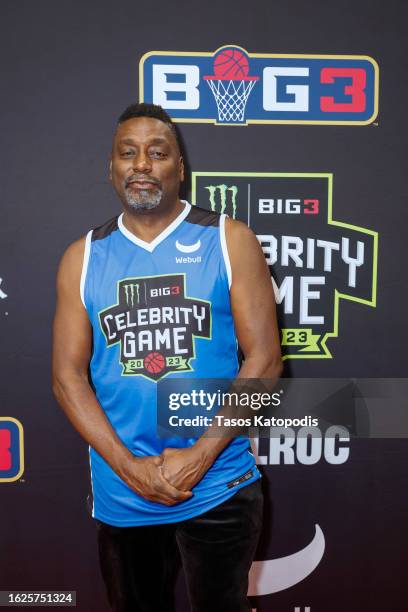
[[110, 169], [181, 165]]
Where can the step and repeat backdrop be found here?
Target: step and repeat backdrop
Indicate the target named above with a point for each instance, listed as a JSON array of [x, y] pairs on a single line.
[[292, 117]]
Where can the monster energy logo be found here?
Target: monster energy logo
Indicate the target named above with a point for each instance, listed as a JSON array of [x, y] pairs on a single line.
[[221, 195], [130, 291]]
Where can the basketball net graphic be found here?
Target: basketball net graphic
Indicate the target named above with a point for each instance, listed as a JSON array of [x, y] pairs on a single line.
[[231, 85]]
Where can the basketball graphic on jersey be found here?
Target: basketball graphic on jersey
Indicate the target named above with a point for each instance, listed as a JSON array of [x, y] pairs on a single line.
[[154, 363], [156, 325]]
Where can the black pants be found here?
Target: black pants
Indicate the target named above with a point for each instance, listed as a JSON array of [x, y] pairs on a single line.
[[139, 564]]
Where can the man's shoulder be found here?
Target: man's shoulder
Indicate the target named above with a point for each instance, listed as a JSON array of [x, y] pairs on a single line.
[[242, 243], [71, 262], [237, 228], [75, 250]]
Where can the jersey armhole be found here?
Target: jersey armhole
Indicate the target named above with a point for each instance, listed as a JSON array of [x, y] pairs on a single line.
[[224, 249], [85, 263]]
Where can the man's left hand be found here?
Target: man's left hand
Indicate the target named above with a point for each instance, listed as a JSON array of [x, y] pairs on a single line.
[[183, 468]]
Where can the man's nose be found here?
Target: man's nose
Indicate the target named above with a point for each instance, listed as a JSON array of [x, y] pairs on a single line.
[[142, 162]]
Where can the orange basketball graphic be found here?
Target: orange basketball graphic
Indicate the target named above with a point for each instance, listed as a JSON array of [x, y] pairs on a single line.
[[154, 362]]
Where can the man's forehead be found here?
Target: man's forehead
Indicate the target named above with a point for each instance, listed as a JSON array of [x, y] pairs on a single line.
[[143, 128]]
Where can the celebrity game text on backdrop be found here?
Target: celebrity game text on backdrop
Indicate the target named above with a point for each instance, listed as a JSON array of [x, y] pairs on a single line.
[[314, 260], [233, 87]]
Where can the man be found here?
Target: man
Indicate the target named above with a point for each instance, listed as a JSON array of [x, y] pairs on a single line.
[[163, 290]]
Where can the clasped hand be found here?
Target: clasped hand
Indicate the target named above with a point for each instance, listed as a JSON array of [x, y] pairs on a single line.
[[169, 477]]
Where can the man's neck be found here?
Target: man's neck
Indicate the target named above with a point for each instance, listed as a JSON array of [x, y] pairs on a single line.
[[147, 225]]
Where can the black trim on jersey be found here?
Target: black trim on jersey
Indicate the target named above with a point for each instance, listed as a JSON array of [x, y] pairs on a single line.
[[196, 216], [104, 230], [201, 216]]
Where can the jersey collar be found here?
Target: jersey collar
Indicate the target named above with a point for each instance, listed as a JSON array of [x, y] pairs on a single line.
[[150, 246]]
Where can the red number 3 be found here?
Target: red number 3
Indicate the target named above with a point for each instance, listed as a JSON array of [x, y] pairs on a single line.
[[355, 90], [311, 207], [5, 455]]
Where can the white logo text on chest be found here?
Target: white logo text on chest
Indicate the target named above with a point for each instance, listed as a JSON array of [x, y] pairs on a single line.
[[188, 260]]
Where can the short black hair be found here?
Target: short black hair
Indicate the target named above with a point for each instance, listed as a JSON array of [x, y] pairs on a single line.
[[154, 111]]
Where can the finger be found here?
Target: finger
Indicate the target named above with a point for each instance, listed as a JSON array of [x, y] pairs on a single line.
[[157, 499], [171, 479], [170, 490], [175, 480], [162, 498], [167, 474], [165, 501], [161, 492], [176, 494]]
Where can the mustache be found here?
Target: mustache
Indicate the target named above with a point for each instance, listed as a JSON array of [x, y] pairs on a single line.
[[142, 177]]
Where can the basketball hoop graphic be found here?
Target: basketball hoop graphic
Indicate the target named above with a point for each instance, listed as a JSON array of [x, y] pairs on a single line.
[[231, 85]]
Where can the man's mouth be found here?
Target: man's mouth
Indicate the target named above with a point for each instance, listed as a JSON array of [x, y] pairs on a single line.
[[141, 184]]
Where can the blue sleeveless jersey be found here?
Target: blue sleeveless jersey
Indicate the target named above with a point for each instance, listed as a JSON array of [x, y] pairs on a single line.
[[159, 309]]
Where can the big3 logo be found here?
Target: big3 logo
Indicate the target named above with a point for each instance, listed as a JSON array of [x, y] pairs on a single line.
[[234, 87]]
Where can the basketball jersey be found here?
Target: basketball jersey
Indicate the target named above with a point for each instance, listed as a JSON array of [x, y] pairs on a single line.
[[158, 310]]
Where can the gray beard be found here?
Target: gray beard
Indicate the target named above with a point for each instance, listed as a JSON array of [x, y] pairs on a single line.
[[144, 199]]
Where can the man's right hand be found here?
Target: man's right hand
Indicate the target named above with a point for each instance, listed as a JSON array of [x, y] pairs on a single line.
[[144, 475]]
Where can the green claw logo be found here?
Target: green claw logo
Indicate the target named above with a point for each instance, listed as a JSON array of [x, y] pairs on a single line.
[[223, 199]]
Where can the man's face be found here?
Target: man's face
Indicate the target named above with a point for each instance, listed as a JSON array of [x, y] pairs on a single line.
[[146, 166]]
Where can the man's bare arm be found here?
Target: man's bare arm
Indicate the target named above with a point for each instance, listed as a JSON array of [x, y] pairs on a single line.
[[72, 346], [254, 311], [253, 304]]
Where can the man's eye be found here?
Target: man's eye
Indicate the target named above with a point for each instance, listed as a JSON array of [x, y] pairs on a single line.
[[158, 154], [126, 153]]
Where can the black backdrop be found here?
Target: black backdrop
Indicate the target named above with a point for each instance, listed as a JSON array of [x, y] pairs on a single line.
[[68, 70]]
